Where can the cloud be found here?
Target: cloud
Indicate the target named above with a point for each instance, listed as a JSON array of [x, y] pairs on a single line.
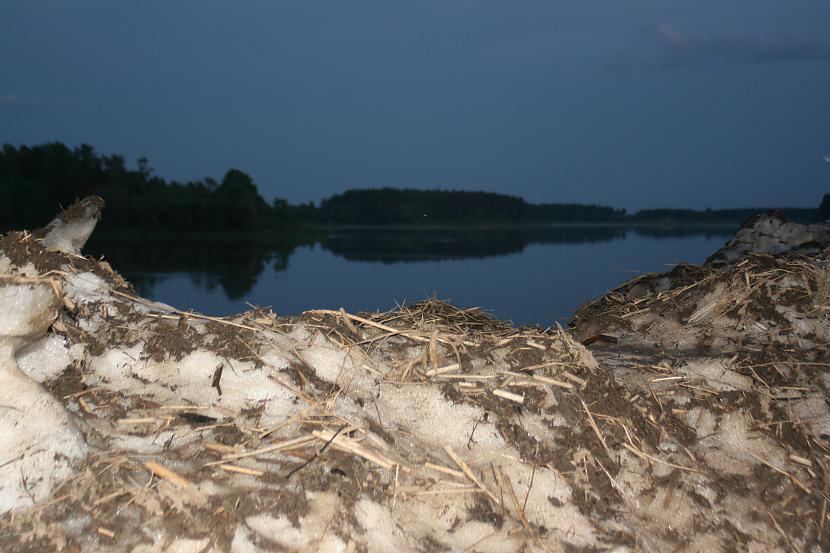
[[683, 48]]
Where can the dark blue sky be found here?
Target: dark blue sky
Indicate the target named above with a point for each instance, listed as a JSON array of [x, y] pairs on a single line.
[[633, 104]]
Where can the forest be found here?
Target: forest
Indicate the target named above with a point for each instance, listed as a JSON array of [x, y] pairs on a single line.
[[35, 180], [392, 206]]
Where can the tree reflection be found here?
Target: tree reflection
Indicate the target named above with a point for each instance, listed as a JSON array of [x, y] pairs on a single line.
[[389, 245], [235, 263]]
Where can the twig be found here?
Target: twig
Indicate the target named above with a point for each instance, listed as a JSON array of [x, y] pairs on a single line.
[[644, 455], [322, 449], [532, 476], [470, 474]]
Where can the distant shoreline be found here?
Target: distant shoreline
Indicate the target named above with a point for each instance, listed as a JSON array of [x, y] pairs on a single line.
[[313, 232], [520, 226]]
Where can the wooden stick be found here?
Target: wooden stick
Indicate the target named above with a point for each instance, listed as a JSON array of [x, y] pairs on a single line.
[[518, 398], [553, 381], [241, 470], [145, 420], [573, 378], [163, 472], [442, 370]]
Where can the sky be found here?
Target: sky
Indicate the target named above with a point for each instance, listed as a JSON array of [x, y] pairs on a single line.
[[633, 104]]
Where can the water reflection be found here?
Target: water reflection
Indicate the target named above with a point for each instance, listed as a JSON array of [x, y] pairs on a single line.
[[435, 244], [367, 268], [232, 264]]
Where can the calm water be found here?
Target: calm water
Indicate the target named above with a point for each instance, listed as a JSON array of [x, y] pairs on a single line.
[[527, 275]]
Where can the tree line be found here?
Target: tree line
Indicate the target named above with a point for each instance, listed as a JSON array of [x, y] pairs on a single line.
[[393, 206], [35, 180]]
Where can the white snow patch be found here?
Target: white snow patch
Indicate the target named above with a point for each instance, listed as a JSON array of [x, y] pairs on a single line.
[[190, 381], [742, 448], [179, 545], [382, 534], [312, 534], [702, 421], [713, 372], [38, 440], [86, 287], [330, 363], [46, 359], [423, 411], [242, 541]]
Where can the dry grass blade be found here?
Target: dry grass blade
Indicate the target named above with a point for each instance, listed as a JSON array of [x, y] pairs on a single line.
[[367, 322], [179, 313], [643, 455], [444, 470], [294, 443], [520, 512], [594, 426], [348, 445], [469, 473]]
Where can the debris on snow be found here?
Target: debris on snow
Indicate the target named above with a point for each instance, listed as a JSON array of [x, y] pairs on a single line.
[[696, 421]]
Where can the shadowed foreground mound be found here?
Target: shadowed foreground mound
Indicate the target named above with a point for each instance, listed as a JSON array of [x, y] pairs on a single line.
[[429, 428]]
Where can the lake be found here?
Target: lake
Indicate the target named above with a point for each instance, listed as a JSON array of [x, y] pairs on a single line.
[[528, 275]]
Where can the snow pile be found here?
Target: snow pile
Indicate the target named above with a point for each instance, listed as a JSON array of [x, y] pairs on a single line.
[[771, 233], [759, 301], [38, 439], [428, 428]]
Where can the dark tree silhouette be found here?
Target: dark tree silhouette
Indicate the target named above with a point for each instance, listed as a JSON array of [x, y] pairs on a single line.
[[36, 181]]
